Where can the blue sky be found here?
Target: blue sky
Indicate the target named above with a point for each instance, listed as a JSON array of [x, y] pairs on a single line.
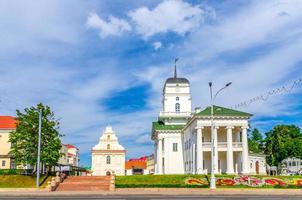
[[99, 63]]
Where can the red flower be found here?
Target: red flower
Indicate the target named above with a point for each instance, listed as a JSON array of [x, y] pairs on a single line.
[[227, 182], [274, 181]]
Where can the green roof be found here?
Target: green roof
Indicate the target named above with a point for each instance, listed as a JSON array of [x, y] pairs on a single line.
[[161, 126], [221, 111]]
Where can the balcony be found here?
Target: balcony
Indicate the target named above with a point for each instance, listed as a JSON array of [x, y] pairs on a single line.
[[222, 144], [174, 114]]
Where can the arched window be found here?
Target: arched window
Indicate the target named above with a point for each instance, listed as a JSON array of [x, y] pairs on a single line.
[[177, 107], [108, 160], [108, 137], [108, 146], [177, 98]]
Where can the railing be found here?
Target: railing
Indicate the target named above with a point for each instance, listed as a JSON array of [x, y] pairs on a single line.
[[206, 144], [237, 144], [222, 144], [174, 114]]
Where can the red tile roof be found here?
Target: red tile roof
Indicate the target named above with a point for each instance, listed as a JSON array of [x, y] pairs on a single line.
[[135, 164], [70, 146], [7, 122]]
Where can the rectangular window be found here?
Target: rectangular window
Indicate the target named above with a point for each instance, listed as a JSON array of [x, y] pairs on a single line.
[[203, 164], [3, 163], [202, 139], [174, 147]]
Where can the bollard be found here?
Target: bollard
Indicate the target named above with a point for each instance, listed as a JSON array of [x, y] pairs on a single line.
[[57, 179], [53, 184], [112, 183], [49, 186]]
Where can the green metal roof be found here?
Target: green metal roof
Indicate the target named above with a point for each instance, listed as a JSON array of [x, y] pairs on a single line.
[[161, 126], [221, 111]]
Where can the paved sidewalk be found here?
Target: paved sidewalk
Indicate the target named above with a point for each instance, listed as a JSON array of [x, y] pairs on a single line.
[[155, 191]]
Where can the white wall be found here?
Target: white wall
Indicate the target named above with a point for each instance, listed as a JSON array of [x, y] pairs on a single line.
[[100, 167], [171, 91], [252, 164], [173, 161]]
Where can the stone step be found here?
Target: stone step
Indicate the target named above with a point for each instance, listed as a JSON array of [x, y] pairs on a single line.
[[85, 183], [83, 188], [87, 179]]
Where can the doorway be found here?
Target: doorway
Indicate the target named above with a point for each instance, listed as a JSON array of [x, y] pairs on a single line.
[[257, 167]]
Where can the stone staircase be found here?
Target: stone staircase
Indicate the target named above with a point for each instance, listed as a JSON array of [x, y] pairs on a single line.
[[85, 183]]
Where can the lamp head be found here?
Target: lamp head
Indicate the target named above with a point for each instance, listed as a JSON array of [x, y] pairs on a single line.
[[228, 84], [210, 84]]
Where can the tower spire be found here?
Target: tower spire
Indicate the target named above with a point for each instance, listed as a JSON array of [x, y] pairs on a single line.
[[175, 69]]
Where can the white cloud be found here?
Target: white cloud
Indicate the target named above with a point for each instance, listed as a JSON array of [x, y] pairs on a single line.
[[114, 26], [274, 63], [146, 138], [170, 15], [157, 45]]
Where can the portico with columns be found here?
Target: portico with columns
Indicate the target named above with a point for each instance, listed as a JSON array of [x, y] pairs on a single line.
[[230, 131]]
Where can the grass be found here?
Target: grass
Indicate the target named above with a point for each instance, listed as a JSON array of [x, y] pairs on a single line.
[[179, 181], [21, 181], [171, 181]]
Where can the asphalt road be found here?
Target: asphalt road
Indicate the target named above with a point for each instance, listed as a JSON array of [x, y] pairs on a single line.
[[157, 197]]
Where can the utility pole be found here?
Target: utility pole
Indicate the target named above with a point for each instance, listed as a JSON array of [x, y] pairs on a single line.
[[39, 149]]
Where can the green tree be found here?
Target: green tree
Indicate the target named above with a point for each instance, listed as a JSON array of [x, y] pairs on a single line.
[[24, 139], [255, 141], [281, 142]]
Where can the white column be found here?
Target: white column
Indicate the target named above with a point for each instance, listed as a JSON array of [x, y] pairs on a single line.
[[159, 157], [199, 152], [230, 160], [245, 154], [216, 150]]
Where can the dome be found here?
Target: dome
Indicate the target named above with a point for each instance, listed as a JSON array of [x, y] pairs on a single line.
[[177, 80]]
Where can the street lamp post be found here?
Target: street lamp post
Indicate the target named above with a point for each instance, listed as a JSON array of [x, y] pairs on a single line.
[[213, 136], [39, 149]]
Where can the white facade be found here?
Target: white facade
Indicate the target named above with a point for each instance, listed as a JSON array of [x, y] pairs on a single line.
[[108, 156], [168, 156], [257, 164], [64, 155], [182, 139]]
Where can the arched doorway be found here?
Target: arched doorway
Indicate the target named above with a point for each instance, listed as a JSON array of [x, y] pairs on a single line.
[[108, 173], [257, 167]]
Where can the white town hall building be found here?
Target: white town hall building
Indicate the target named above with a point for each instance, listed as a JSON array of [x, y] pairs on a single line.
[[183, 138]]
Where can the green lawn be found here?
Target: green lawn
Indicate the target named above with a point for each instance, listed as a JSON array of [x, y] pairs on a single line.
[[21, 181], [180, 181], [171, 181]]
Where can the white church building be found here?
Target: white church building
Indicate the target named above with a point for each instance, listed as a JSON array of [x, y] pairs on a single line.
[[182, 138], [108, 156]]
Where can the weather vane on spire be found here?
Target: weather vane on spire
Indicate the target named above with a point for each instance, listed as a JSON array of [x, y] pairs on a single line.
[[175, 71]]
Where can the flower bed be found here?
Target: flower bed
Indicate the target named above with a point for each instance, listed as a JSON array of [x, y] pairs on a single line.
[[202, 181], [249, 181]]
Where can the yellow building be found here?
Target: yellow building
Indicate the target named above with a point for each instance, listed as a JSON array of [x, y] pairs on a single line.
[[7, 125]]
